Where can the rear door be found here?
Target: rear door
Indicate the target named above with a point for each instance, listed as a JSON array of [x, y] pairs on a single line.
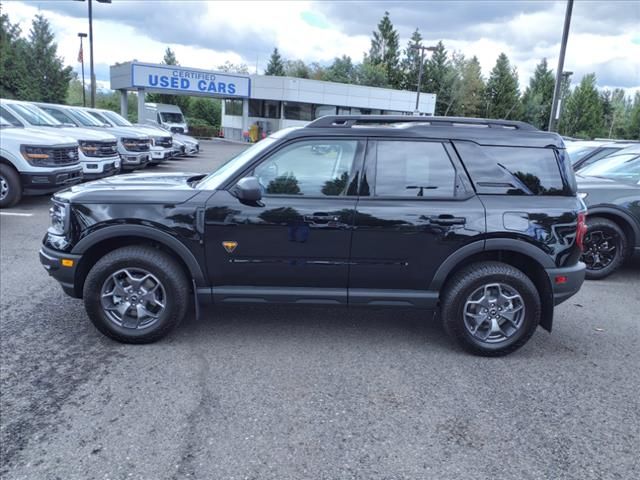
[[416, 207]]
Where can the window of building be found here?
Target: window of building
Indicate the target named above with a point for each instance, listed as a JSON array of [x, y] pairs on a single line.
[[413, 169], [233, 107], [313, 168], [323, 110], [298, 111]]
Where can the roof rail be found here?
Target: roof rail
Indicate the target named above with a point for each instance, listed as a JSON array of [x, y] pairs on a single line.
[[362, 120]]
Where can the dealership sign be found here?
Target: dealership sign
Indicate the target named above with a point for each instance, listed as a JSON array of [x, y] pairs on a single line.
[[186, 80]]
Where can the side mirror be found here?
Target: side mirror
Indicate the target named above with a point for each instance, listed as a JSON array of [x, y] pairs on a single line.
[[247, 189]]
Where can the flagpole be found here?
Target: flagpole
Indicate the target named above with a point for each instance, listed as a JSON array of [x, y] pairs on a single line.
[[81, 58]]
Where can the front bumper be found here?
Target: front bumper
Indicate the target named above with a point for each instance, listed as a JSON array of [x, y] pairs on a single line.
[[566, 281], [51, 260], [50, 181], [160, 154], [95, 170], [134, 159]]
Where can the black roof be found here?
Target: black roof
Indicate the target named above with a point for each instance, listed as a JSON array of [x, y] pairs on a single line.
[[483, 131]]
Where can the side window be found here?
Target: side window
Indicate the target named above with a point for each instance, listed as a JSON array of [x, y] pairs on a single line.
[[312, 168], [413, 169], [9, 117], [58, 115]]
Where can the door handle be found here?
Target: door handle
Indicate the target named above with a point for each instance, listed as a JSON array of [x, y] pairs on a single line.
[[321, 218], [446, 220]]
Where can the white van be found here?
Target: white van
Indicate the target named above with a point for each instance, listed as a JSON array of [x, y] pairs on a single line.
[[167, 116]]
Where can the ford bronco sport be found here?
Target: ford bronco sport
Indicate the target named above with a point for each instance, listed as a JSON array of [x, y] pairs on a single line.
[[476, 220]]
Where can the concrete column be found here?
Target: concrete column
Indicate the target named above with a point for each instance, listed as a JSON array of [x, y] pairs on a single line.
[[124, 104], [281, 116], [245, 114], [141, 105]]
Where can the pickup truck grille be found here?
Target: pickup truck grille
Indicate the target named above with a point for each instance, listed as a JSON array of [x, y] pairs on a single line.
[[166, 142], [100, 149], [64, 155], [135, 145]]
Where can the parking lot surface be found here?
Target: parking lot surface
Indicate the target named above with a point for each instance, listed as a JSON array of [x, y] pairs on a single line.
[[318, 393]]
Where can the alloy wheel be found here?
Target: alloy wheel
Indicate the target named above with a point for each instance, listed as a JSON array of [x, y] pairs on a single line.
[[4, 188], [600, 248], [494, 312], [133, 298]]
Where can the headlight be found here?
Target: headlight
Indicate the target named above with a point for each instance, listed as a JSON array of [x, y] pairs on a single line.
[[89, 149], [37, 155], [59, 214]]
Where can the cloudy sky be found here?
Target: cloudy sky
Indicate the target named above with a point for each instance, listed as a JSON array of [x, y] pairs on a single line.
[[604, 37]]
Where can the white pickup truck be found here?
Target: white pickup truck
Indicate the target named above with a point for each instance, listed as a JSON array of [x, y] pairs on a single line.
[[33, 162]]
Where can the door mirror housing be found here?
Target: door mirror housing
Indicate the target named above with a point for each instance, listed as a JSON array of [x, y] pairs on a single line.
[[247, 189]]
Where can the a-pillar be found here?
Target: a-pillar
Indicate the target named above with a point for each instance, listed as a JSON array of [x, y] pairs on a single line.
[[124, 104], [141, 105]]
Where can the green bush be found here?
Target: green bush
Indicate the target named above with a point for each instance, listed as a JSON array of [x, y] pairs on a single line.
[[205, 131]]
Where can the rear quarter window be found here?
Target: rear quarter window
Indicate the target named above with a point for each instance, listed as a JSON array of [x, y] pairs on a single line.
[[516, 170]]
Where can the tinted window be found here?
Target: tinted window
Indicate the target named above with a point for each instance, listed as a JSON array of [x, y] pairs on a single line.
[[413, 169], [10, 118], [58, 115], [233, 107], [298, 111], [513, 170], [313, 167]]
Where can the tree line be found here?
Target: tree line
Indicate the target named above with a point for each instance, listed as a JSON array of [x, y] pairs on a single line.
[[30, 69]]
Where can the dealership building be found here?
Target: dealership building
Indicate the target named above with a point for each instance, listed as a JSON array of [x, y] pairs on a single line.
[[271, 102]]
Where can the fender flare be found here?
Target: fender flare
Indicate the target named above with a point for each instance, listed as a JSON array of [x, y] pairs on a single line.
[[618, 212], [488, 245], [150, 233]]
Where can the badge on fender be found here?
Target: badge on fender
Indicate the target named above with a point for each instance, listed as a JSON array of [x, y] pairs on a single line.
[[229, 246]]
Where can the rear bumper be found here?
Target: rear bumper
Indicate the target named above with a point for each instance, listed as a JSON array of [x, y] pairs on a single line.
[[51, 260], [51, 181], [566, 282]]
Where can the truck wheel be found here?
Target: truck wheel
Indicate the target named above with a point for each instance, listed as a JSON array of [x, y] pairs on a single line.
[[10, 186], [490, 308], [605, 245], [136, 294]]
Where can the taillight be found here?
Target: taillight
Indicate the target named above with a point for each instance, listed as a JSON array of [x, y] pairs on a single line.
[[581, 230]]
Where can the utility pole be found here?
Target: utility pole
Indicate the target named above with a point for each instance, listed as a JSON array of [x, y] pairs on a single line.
[[81, 58], [559, 71], [422, 50]]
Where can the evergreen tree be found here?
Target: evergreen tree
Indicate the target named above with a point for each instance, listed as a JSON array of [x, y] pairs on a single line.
[[502, 95], [371, 74], [620, 115], [633, 125], [13, 68], [438, 78], [48, 77], [233, 68], [583, 113], [342, 70], [538, 96], [385, 51], [469, 93], [276, 65], [296, 68], [410, 64], [170, 57]]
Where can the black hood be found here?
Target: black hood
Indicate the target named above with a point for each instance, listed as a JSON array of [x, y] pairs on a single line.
[[134, 188]]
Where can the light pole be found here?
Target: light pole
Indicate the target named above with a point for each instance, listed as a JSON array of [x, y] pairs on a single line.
[[565, 78], [422, 50], [81, 58], [93, 78], [559, 72]]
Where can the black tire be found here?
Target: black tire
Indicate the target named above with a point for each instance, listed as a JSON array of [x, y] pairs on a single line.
[[157, 263], [470, 279], [9, 180], [602, 236]]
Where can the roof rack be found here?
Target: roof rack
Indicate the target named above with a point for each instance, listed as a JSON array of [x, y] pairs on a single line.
[[363, 120]]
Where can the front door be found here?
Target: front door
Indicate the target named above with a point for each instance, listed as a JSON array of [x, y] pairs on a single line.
[[293, 244], [416, 208]]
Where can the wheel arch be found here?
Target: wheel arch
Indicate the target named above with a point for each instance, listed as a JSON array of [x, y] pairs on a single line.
[[516, 253], [107, 239], [628, 225]]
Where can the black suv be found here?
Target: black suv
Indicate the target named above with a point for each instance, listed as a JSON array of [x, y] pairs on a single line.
[[477, 220]]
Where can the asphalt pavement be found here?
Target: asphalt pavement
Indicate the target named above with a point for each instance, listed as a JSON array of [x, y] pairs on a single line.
[[308, 393]]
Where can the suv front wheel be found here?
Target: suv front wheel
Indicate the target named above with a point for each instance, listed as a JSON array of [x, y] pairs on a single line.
[[136, 294], [490, 308]]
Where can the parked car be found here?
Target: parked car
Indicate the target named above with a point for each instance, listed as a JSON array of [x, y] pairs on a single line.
[[133, 146], [578, 149], [98, 150], [166, 116], [482, 225], [601, 151], [33, 162], [611, 190], [161, 141], [191, 144]]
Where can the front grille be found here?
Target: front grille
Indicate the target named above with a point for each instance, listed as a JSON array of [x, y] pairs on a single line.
[[166, 142], [135, 145], [177, 129], [104, 149], [64, 155]]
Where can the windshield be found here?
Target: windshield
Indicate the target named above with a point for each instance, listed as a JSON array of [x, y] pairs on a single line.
[[579, 152], [34, 115], [4, 123], [618, 167], [116, 119], [171, 117], [218, 177], [84, 118]]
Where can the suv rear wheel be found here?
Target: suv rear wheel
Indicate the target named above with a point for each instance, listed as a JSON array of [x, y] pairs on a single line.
[[490, 308], [605, 245], [10, 186], [136, 294]]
